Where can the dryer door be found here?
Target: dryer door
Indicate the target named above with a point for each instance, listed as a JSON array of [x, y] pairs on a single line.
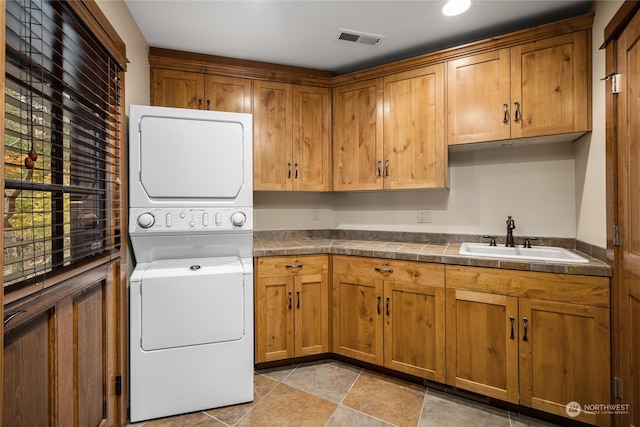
[[192, 302], [191, 158]]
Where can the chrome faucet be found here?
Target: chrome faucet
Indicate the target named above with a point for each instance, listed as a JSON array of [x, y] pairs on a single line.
[[510, 226]]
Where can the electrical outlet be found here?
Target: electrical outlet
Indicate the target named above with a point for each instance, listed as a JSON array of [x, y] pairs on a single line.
[[425, 217], [315, 215]]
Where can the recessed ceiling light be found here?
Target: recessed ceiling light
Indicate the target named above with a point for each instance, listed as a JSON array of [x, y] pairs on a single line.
[[456, 7]]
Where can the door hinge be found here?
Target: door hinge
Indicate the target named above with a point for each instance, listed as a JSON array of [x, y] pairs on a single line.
[[616, 235], [615, 81], [617, 388], [118, 384]]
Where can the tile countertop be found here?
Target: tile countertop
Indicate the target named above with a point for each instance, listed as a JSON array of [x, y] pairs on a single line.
[[443, 253]]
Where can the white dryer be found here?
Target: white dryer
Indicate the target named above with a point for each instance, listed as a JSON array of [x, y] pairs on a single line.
[[191, 230]]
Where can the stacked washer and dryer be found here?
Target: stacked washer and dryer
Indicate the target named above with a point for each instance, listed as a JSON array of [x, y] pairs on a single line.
[[191, 230]]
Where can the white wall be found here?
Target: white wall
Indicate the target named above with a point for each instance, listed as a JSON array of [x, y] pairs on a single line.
[[591, 150]]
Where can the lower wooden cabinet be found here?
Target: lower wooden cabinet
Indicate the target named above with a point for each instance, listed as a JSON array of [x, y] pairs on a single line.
[[291, 306], [519, 337], [390, 313]]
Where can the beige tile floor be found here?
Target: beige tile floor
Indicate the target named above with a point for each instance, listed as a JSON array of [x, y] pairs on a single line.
[[334, 394]]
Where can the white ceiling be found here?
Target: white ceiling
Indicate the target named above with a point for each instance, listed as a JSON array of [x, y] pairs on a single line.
[[304, 32]]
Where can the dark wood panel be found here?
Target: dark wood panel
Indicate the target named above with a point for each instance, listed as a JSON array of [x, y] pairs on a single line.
[[28, 374]]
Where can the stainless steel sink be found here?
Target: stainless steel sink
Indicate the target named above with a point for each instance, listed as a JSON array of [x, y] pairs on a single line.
[[540, 253]]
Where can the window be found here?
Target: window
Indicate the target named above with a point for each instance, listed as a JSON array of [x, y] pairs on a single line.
[[62, 139]]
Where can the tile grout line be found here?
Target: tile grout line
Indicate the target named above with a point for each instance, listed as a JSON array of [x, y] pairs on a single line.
[[424, 402]]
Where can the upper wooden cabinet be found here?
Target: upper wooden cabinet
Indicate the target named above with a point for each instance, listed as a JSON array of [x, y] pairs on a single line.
[[534, 89], [291, 137], [181, 89], [357, 136], [388, 133]]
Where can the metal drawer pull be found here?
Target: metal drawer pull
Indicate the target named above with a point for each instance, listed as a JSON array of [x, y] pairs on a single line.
[[208, 104], [506, 113], [525, 324], [296, 165], [379, 168], [513, 334], [298, 303], [388, 313], [199, 104], [11, 314], [294, 265], [289, 168], [379, 304], [383, 270], [517, 117], [290, 299], [386, 168]]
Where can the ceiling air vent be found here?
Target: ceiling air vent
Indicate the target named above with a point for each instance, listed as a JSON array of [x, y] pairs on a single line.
[[359, 37]]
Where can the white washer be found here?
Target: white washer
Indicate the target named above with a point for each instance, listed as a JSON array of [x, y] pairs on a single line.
[[191, 230]]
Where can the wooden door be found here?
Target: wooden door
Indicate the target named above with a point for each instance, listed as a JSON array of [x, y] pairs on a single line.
[[479, 98], [272, 136], [311, 314], [628, 205], [482, 343], [229, 94], [415, 151], [564, 357], [274, 318], [311, 169], [550, 83], [179, 89], [357, 318], [414, 329], [357, 136]]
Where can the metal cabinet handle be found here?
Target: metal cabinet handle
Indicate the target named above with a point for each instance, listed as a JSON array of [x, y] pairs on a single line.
[[383, 270], [298, 296], [296, 166], [517, 116], [513, 332], [506, 113], [387, 307], [386, 168], [208, 104], [379, 304], [289, 170], [11, 314], [525, 324], [199, 103], [300, 265], [379, 168], [290, 299]]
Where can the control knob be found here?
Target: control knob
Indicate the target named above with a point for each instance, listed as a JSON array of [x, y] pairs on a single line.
[[238, 218], [146, 220]]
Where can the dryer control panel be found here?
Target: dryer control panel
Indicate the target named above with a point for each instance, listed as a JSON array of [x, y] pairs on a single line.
[[144, 220]]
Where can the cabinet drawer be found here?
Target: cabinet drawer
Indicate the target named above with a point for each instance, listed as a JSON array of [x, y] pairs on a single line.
[[573, 289], [292, 265], [389, 269]]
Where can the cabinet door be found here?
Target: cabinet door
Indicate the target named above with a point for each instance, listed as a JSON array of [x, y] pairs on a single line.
[[564, 357], [272, 127], [482, 343], [311, 314], [550, 83], [357, 136], [414, 329], [274, 318], [357, 318], [415, 151], [229, 94], [310, 138], [479, 98], [178, 89]]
